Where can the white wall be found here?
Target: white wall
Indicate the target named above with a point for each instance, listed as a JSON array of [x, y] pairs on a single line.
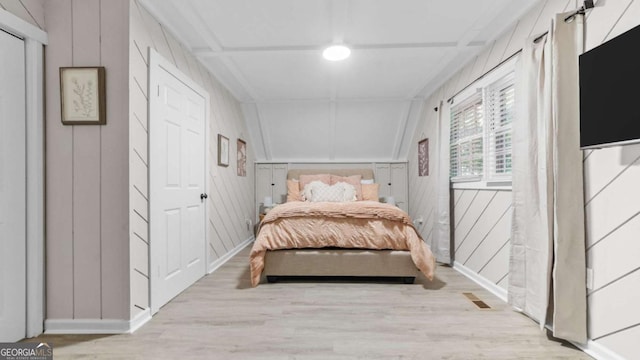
[[231, 198], [611, 190]]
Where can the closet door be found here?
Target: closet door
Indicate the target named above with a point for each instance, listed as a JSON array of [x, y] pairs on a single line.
[[399, 185], [263, 184], [383, 177], [279, 181]]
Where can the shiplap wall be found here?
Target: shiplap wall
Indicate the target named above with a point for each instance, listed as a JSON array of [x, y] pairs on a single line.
[[231, 198], [422, 189], [482, 230], [31, 11], [611, 190], [87, 241]]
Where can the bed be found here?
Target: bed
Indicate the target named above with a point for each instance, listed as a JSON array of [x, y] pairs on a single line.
[[346, 239]]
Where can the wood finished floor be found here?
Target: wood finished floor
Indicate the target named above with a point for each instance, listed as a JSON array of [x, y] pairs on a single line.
[[222, 317]]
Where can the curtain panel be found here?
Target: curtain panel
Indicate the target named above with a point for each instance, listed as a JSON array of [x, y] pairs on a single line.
[[442, 227], [547, 264]]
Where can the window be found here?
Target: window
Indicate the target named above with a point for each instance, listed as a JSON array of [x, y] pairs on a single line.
[[480, 138]]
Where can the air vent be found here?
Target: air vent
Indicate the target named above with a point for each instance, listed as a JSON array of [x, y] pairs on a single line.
[[476, 301]]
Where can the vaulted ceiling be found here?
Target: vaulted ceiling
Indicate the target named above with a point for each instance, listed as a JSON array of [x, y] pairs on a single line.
[[300, 107]]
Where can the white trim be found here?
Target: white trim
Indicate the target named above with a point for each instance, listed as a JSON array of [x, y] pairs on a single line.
[[481, 185], [488, 285], [34, 39], [35, 187], [331, 162], [19, 27], [139, 320], [222, 260], [157, 62], [96, 326], [597, 351], [592, 348]]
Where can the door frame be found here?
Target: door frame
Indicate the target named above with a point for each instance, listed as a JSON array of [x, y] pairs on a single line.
[[158, 63], [34, 40]]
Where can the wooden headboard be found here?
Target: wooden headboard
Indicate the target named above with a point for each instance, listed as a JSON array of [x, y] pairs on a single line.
[[295, 173]]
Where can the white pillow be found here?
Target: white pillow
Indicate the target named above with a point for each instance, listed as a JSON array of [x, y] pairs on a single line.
[[366, 181], [317, 191], [349, 191], [307, 193]]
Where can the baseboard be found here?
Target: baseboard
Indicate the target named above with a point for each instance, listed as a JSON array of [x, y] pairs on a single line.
[[597, 351], [139, 320], [216, 264], [96, 326], [488, 285]]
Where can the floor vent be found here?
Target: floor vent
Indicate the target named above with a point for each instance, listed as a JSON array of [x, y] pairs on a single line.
[[477, 302]]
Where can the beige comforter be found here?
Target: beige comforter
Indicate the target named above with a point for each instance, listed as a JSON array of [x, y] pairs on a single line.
[[359, 225]]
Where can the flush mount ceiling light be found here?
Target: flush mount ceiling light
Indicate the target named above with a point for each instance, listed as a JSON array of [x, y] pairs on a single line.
[[336, 52]]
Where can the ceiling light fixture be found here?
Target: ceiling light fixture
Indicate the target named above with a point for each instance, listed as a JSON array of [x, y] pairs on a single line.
[[336, 52]]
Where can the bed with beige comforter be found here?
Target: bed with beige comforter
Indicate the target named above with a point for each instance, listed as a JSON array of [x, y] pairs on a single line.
[[347, 225]]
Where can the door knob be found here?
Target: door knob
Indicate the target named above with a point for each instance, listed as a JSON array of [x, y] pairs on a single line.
[[203, 196]]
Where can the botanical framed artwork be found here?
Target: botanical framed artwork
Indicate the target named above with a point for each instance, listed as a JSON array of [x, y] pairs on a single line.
[[223, 150], [423, 157], [242, 158], [83, 96]]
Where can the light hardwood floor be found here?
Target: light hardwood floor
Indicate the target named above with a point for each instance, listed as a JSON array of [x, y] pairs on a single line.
[[222, 317]]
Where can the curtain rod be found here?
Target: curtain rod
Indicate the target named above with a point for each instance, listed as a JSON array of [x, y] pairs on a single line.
[[588, 4]]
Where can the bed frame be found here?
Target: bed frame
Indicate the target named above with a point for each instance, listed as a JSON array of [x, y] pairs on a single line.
[[335, 261]]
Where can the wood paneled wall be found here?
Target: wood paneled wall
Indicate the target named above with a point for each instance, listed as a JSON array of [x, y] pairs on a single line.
[[87, 240], [97, 189], [482, 232], [231, 198], [611, 191]]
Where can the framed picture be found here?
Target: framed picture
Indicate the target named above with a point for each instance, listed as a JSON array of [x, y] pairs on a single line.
[[223, 150], [423, 157], [83, 96], [242, 158]]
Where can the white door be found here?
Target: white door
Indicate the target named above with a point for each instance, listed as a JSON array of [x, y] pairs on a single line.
[[12, 189], [176, 184]]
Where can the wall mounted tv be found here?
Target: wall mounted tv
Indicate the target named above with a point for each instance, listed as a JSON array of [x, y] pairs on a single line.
[[610, 92]]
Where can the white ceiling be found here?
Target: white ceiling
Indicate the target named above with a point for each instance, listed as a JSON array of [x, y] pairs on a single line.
[[300, 107]]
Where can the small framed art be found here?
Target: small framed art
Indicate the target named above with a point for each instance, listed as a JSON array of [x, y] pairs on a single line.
[[223, 150], [83, 96], [242, 158], [423, 157]]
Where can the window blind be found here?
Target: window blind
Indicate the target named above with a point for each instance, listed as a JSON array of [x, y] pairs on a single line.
[[466, 140], [500, 108]]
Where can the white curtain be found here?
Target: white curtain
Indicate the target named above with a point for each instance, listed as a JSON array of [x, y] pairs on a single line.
[[547, 265], [442, 231]]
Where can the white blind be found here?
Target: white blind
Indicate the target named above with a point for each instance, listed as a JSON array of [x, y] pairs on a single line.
[[466, 140], [499, 103]]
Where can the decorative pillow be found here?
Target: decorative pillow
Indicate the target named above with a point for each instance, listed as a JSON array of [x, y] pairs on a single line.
[[353, 180], [306, 179], [370, 192], [317, 191], [293, 191], [307, 192], [349, 191], [366, 181]]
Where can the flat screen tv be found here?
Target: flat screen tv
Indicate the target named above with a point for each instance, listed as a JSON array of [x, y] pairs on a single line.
[[610, 92]]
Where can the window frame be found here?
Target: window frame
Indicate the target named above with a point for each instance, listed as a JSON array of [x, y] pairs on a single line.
[[484, 181]]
